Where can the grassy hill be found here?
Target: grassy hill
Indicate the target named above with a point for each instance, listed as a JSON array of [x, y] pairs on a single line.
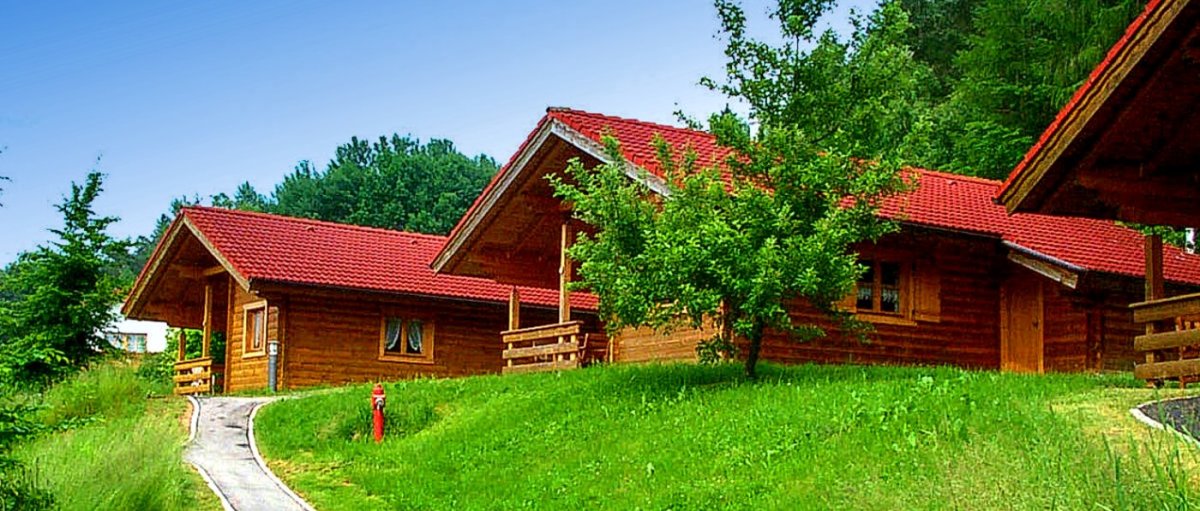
[[107, 446], [702, 437]]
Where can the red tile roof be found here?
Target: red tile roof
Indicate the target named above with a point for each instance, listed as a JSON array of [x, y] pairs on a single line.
[[941, 200], [637, 137], [290, 250]]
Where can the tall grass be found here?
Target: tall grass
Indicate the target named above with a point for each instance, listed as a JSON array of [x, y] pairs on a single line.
[[112, 446], [695, 437]]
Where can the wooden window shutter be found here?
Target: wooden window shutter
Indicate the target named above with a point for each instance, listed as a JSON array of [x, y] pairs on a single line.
[[927, 291], [427, 338]]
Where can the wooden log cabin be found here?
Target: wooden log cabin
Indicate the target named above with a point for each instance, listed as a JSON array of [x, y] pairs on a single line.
[[337, 303], [962, 283], [1126, 147]]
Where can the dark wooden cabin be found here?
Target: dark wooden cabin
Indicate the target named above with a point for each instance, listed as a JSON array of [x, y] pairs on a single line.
[[962, 283], [1126, 147], [340, 303]]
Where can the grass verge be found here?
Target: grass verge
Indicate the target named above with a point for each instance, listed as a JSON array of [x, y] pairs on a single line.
[[109, 446], [702, 437]]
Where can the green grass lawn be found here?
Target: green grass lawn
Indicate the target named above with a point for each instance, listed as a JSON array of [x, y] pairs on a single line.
[[702, 437], [110, 447]]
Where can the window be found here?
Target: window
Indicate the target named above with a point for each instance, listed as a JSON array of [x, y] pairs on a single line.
[[900, 290], [254, 330], [879, 289], [133, 343], [406, 339]]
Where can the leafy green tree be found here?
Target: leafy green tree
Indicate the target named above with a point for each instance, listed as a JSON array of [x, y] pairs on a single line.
[[864, 94], [940, 30], [59, 297], [802, 188], [246, 198], [395, 183], [1021, 62]]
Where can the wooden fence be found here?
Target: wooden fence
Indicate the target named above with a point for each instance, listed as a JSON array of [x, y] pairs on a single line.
[[197, 376], [1172, 339]]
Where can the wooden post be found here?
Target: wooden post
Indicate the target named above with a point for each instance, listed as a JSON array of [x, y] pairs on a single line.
[[207, 336], [564, 275], [182, 345], [514, 309], [1154, 267], [1154, 279]]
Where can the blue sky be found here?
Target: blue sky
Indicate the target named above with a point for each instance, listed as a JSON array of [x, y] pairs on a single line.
[[183, 98]]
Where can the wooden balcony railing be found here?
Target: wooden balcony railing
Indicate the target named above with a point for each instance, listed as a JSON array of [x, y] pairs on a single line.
[[196, 376], [542, 348], [1172, 339], [553, 348]]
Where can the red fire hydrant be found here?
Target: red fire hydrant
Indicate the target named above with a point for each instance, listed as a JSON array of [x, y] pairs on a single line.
[[378, 400]]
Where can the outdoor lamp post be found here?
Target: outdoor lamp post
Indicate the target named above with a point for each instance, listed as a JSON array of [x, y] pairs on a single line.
[[272, 364]]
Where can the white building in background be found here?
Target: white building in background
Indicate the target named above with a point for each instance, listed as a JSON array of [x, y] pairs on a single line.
[[136, 336]]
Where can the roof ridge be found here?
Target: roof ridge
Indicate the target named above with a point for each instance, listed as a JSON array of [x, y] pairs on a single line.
[[958, 177], [568, 110], [313, 221]]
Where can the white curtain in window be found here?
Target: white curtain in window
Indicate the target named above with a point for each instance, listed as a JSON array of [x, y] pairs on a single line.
[[392, 335], [414, 336]]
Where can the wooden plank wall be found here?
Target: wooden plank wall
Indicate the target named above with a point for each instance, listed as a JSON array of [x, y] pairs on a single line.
[[242, 372], [1065, 335], [1081, 332], [643, 344], [967, 333], [332, 341], [1117, 333]]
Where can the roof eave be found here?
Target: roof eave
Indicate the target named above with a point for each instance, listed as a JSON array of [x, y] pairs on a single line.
[[1025, 189], [452, 252]]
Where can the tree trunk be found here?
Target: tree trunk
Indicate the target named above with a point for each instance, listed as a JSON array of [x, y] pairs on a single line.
[[756, 335]]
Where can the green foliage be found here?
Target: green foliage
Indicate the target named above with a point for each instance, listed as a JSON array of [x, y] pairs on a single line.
[[160, 367], [58, 298], [778, 219], [246, 198], [18, 485], [1008, 67], [707, 437], [393, 183], [863, 95], [104, 391], [105, 445]]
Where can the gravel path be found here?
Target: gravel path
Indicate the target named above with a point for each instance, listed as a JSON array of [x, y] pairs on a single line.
[[222, 450], [1182, 414]]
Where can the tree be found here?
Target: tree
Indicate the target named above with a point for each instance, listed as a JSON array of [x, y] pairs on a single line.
[[803, 187], [59, 297], [1020, 63], [394, 183], [246, 198]]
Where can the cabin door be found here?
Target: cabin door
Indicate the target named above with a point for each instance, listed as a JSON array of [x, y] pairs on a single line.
[[1021, 315]]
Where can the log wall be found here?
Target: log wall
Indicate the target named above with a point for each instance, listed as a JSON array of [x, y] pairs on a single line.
[[245, 371], [643, 344], [332, 341], [966, 333], [1117, 333], [1067, 336], [1080, 333]]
